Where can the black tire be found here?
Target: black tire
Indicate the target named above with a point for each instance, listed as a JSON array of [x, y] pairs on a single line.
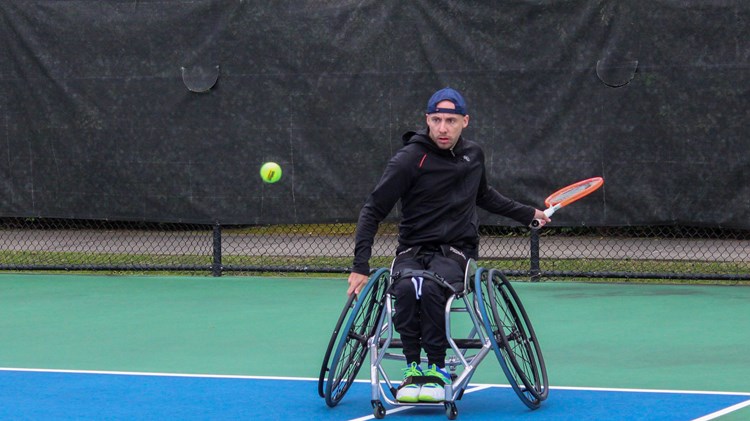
[[350, 347], [378, 410], [451, 412], [512, 336], [335, 337]]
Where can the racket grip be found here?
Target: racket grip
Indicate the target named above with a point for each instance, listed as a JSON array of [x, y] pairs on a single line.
[[549, 211]]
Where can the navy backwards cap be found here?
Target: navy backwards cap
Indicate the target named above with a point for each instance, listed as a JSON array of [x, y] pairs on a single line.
[[446, 94]]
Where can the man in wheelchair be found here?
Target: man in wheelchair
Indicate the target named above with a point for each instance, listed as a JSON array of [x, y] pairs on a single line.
[[440, 179]]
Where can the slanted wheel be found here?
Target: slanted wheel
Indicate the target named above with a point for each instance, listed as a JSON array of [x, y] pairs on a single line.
[[348, 346], [335, 337], [512, 337]]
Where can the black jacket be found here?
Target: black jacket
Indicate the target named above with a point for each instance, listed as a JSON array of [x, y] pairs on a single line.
[[439, 192]]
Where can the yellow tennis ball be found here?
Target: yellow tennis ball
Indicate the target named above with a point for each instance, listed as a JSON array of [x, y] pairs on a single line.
[[270, 172]]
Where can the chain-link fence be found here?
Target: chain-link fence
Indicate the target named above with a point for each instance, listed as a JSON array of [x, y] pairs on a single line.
[[622, 252]]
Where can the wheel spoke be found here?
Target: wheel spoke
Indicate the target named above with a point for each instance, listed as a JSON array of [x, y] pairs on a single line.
[[351, 349], [512, 338]]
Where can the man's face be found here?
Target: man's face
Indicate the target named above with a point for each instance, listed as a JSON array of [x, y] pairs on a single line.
[[445, 128]]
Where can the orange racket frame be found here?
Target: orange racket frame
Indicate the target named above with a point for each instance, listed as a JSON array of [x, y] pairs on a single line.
[[573, 192], [568, 195]]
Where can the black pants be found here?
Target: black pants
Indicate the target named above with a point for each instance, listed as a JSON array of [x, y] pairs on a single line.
[[420, 305]]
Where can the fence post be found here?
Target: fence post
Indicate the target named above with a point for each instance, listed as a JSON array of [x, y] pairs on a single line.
[[216, 266], [534, 270]]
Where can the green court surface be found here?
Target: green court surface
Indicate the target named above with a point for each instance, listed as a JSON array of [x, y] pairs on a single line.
[[630, 336]]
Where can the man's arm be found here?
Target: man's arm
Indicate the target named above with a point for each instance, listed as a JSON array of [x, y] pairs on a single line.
[[491, 200], [498, 204], [395, 181]]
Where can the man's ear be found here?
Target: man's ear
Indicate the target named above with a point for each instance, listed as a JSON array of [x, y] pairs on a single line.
[[466, 121]]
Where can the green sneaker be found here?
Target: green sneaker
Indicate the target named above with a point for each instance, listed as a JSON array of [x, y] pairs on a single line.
[[434, 391], [408, 391]]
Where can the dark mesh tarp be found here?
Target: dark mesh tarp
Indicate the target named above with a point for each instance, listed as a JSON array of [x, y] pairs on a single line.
[[165, 110]]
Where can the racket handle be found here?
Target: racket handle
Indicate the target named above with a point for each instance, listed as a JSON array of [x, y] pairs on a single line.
[[548, 212]]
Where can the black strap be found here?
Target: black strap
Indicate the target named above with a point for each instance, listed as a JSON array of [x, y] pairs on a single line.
[[409, 273]]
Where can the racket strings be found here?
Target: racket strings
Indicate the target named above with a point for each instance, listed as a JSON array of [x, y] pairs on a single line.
[[568, 194]]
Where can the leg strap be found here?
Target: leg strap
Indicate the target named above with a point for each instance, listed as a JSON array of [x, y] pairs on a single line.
[[418, 276]]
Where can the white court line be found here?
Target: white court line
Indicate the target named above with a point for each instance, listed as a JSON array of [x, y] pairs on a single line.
[[390, 411], [477, 386], [627, 390], [142, 373], [724, 411]]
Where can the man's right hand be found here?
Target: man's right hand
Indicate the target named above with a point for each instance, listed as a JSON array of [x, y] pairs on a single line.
[[357, 281]]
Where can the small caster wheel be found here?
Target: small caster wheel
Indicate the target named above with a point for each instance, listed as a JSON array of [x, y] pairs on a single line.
[[451, 411], [378, 410]]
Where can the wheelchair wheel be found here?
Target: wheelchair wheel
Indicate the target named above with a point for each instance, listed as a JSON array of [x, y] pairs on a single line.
[[348, 346], [512, 337], [332, 343]]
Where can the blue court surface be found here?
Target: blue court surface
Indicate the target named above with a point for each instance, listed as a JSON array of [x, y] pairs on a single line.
[[61, 395]]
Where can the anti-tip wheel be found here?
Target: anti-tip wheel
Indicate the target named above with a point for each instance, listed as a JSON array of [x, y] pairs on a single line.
[[378, 410], [451, 411]]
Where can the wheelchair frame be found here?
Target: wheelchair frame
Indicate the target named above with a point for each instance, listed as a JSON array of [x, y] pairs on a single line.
[[499, 324]]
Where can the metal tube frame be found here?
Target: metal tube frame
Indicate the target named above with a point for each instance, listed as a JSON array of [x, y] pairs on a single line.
[[380, 343]]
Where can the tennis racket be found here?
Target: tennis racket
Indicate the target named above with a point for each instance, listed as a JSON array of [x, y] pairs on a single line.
[[568, 195]]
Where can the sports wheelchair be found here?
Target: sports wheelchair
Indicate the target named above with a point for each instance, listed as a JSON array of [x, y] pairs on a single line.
[[498, 324]]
